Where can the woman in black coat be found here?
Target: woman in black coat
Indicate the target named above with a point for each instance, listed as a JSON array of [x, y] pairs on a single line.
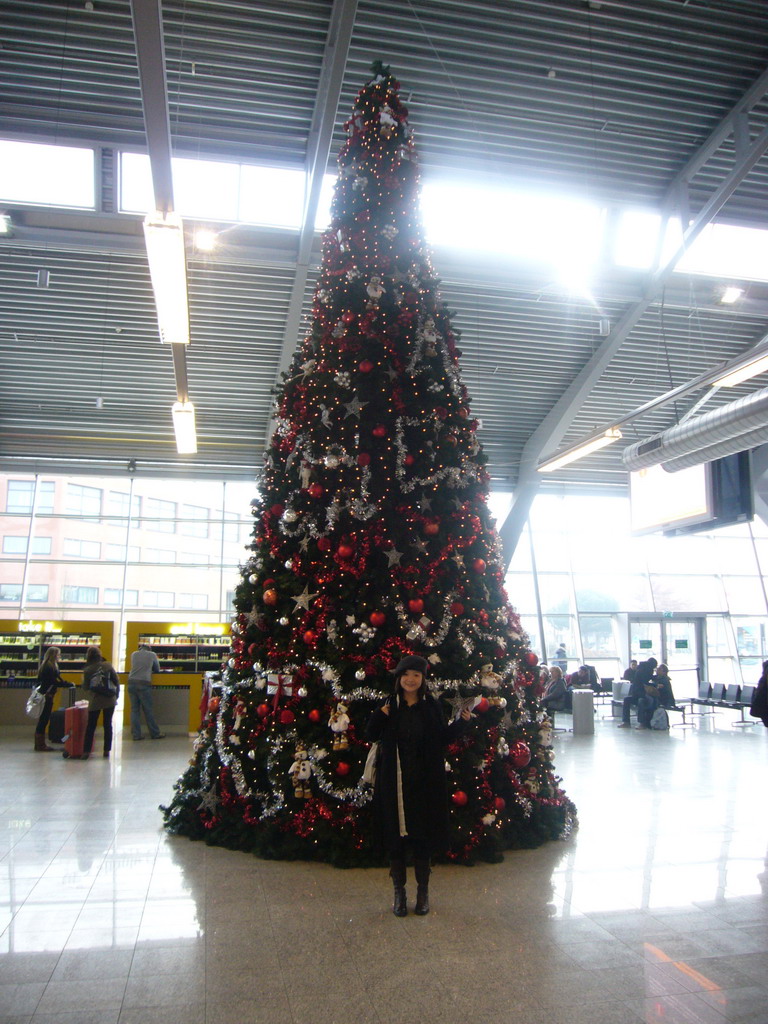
[[48, 682], [410, 796]]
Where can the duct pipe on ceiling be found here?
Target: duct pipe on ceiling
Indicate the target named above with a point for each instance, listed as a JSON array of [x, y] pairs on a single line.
[[721, 424], [742, 443]]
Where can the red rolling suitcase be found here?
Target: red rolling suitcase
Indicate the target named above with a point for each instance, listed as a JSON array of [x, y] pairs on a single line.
[[75, 722]]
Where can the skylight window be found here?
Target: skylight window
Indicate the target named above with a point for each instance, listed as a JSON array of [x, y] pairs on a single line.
[[42, 175], [557, 232], [219, 191], [720, 250]]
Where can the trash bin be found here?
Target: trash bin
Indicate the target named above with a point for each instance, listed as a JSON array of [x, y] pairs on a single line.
[[583, 713]]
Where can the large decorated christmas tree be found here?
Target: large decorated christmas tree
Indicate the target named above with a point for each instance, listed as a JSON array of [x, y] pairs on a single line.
[[371, 540]]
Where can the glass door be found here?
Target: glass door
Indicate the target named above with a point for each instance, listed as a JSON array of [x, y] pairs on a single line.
[[681, 654], [675, 642]]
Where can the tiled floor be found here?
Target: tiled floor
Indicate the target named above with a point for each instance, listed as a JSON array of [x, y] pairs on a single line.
[[655, 911]]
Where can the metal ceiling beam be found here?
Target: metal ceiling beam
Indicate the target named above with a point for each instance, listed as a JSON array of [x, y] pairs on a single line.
[[337, 45], [150, 53], [555, 424]]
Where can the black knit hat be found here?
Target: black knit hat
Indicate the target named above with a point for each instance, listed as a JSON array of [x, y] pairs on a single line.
[[412, 661]]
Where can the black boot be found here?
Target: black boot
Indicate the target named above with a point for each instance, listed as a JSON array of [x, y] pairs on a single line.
[[397, 874], [422, 892]]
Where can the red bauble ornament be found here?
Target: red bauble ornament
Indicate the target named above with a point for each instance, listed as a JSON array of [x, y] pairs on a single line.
[[531, 658], [363, 459], [379, 430], [482, 617], [268, 583], [499, 803], [323, 544], [348, 317], [479, 565], [314, 715], [213, 705], [252, 649], [377, 618], [463, 412], [457, 608], [431, 529], [409, 460], [310, 637], [342, 768], [316, 490], [482, 705], [416, 605], [441, 413], [345, 551], [520, 754], [277, 510], [366, 366], [460, 798], [270, 597], [262, 710], [286, 717]]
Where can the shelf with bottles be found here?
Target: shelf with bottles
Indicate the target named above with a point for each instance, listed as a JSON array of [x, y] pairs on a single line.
[[73, 647], [187, 652]]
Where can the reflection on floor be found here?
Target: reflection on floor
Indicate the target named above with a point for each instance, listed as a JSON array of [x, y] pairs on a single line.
[[655, 911]]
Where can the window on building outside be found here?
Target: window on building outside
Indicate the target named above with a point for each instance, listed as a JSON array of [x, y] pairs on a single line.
[[117, 504], [18, 545], [161, 555], [159, 599], [21, 492], [159, 515], [233, 527], [194, 521], [76, 548], [194, 558], [83, 501], [80, 595], [116, 552], [35, 592], [197, 602], [114, 597]]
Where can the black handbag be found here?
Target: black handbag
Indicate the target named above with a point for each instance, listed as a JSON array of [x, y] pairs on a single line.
[[101, 684]]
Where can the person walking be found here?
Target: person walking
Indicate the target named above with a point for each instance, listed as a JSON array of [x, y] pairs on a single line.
[[143, 663], [410, 797], [102, 687], [48, 682], [560, 658]]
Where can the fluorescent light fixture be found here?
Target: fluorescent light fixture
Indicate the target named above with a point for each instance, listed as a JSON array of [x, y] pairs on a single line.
[[164, 235], [751, 368], [6, 224], [550, 465], [184, 427], [731, 294]]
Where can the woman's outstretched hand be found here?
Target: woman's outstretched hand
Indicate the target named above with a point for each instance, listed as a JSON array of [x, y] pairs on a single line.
[[385, 708]]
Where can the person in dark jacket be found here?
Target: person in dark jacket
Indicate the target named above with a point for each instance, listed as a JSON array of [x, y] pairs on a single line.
[[658, 693], [99, 703], [758, 707], [48, 682], [643, 675], [410, 796]]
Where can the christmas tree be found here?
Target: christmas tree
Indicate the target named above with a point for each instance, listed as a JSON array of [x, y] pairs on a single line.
[[372, 540]]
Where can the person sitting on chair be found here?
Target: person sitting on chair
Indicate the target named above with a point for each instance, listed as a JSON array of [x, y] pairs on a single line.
[[555, 696], [643, 675]]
